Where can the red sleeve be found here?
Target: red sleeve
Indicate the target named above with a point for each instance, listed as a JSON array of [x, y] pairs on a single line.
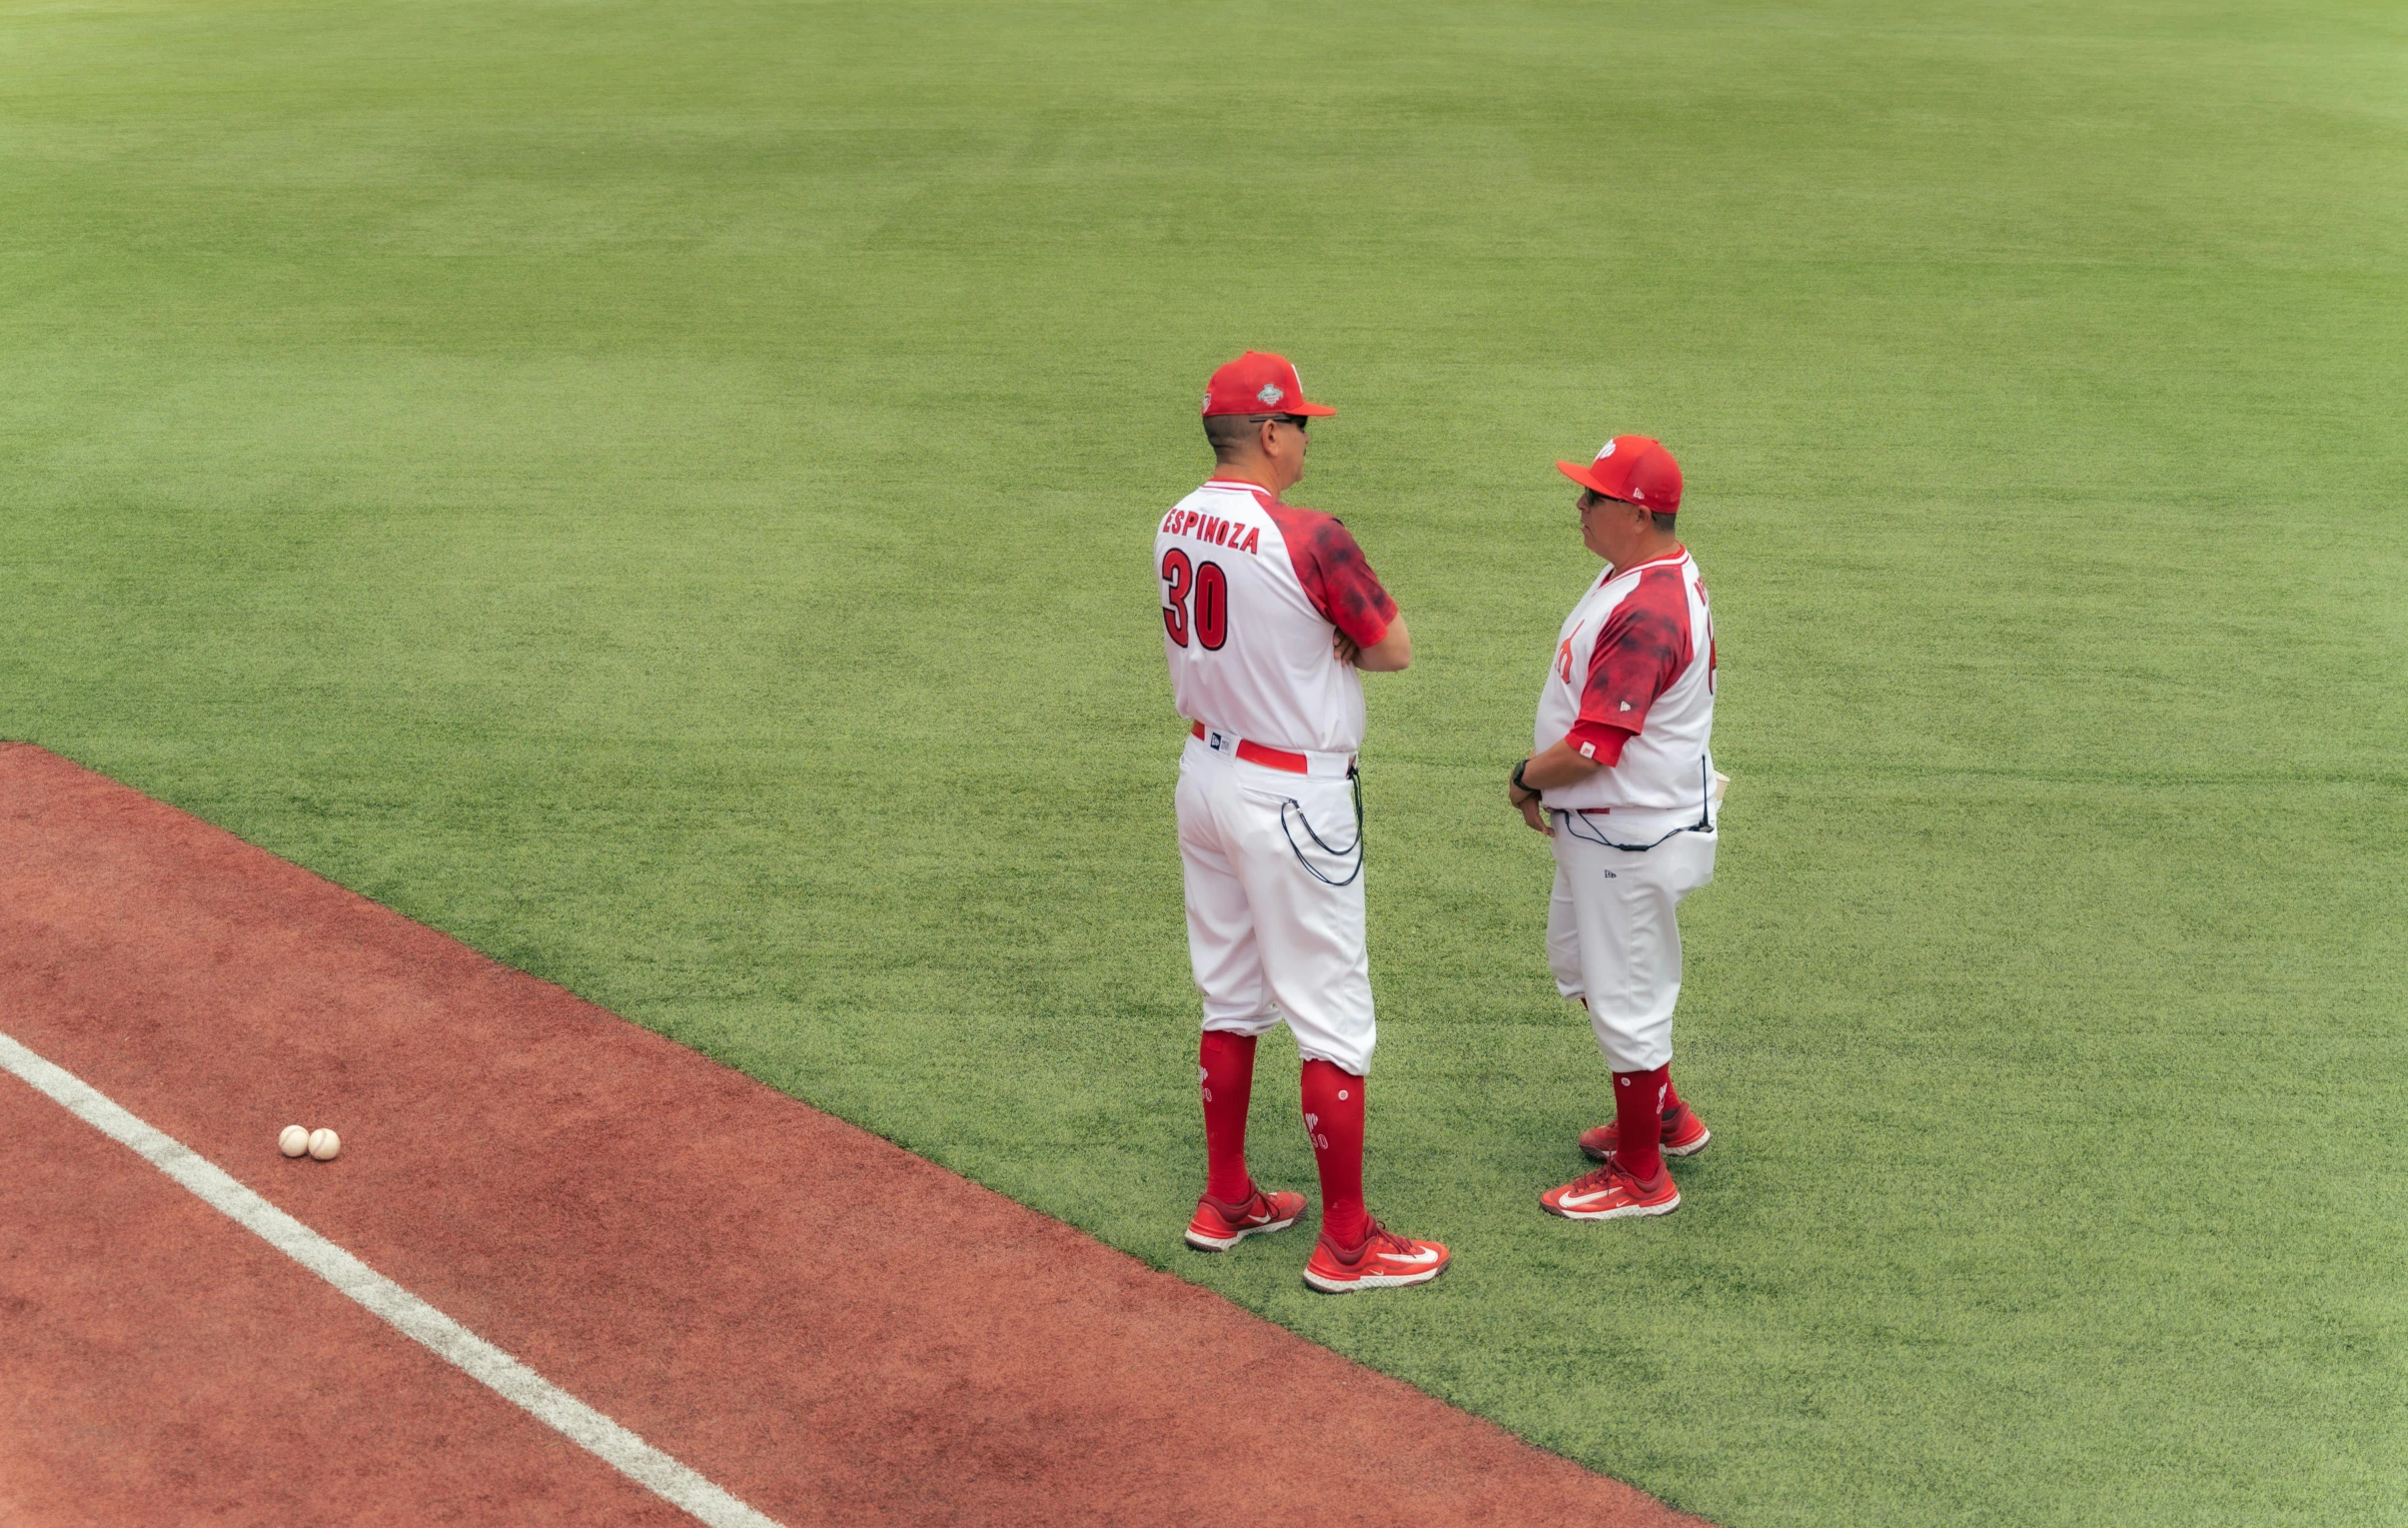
[[1336, 576], [1599, 742], [1643, 649]]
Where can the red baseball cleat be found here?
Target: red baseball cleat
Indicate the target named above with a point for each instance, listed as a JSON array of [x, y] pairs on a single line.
[[1218, 1227], [1685, 1134], [1610, 1194], [1384, 1262]]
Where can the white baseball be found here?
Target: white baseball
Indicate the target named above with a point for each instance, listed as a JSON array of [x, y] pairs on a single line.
[[324, 1144], [293, 1140]]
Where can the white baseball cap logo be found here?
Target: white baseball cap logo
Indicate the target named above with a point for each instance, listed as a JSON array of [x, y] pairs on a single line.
[[1609, 450], [1271, 394]]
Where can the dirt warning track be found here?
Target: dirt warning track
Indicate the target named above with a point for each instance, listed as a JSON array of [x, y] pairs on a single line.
[[832, 1329]]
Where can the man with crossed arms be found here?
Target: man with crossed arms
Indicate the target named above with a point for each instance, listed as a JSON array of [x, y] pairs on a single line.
[[1622, 782], [1268, 614]]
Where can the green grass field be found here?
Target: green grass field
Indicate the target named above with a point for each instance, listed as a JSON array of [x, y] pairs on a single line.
[[663, 493]]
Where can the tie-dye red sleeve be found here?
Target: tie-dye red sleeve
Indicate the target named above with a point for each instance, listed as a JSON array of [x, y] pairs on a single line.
[[1336, 576], [1641, 650]]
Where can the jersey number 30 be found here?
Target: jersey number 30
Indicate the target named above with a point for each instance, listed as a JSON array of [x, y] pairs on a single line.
[[1209, 586]]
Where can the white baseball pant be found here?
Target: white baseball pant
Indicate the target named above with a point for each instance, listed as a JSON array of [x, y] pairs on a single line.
[[1268, 939], [1612, 936]]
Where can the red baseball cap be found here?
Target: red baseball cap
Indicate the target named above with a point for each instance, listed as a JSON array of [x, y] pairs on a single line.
[[1635, 468], [1258, 383]]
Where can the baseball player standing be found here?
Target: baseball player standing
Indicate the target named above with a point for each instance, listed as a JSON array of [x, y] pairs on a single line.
[[1623, 783], [1268, 612]]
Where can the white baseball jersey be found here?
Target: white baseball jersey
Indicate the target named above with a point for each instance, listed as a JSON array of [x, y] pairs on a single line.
[[1251, 589], [1632, 684]]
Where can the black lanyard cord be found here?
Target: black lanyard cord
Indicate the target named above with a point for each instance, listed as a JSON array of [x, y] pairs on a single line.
[[1354, 777], [1574, 822]]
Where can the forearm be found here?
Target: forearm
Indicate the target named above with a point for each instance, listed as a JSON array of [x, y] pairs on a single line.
[[1557, 765], [1392, 653], [1548, 770]]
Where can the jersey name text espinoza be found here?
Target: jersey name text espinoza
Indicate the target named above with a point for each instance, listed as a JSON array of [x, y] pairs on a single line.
[[1251, 589], [1634, 667]]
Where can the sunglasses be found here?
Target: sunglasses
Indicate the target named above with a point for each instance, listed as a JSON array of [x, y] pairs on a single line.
[[1298, 420]]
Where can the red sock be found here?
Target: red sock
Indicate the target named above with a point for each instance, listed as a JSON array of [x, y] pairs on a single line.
[[1639, 1122], [1226, 1062], [1671, 1095], [1333, 1117]]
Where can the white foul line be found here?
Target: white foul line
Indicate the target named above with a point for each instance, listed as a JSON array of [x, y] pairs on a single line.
[[513, 1381]]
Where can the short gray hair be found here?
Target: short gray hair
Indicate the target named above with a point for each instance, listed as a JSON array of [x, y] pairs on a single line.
[[1227, 432]]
